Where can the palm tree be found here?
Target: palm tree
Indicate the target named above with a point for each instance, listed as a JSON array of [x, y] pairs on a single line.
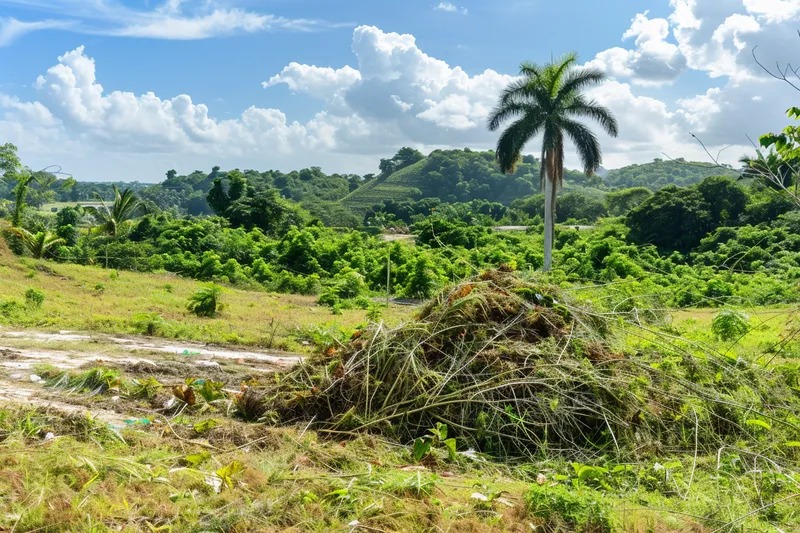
[[547, 100], [772, 169], [125, 207], [38, 244]]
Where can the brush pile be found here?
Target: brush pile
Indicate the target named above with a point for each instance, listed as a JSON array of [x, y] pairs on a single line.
[[518, 369]]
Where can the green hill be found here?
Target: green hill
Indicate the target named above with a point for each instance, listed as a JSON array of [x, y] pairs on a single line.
[[661, 173], [464, 175], [450, 175]]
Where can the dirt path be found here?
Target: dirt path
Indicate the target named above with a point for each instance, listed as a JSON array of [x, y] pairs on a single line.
[[22, 350]]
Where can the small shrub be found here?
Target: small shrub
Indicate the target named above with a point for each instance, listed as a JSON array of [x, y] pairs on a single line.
[[34, 298], [150, 324], [205, 302], [9, 308], [99, 287], [729, 324], [567, 509]]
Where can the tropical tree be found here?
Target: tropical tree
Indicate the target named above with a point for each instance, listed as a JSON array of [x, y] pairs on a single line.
[[124, 208], [38, 244], [547, 100]]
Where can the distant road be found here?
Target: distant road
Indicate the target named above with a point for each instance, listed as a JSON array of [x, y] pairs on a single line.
[[525, 228], [391, 237]]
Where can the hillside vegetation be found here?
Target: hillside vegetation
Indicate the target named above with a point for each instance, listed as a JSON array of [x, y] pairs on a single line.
[[452, 176], [661, 173]]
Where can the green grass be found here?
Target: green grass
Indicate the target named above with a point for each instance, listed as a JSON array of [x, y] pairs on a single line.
[[188, 476], [93, 299], [47, 208]]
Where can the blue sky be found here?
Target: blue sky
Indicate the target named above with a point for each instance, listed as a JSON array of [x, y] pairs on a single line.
[[128, 89]]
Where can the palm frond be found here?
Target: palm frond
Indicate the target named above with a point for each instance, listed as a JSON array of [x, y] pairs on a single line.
[[558, 70], [530, 69], [591, 109], [504, 112], [38, 244], [513, 139], [586, 144], [577, 80]]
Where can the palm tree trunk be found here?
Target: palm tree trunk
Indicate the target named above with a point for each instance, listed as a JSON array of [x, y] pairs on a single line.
[[549, 227]]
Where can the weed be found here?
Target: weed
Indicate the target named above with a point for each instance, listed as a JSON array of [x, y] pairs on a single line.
[[730, 324], [566, 510], [34, 298], [205, 302]]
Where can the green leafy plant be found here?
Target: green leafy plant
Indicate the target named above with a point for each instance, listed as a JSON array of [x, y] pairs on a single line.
[[227, 473], [730, 324], [564, 508], [150, 323], [205, 302], [38, 244], [421, 448], [34, 298]]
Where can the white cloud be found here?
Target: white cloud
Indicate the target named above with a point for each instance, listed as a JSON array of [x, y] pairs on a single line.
[[450, 8], [173, 19], [774, 10], [12, 29], [654, 61], [216, 23], [324, 83]]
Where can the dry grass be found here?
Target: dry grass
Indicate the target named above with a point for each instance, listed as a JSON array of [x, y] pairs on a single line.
[[518, 369]]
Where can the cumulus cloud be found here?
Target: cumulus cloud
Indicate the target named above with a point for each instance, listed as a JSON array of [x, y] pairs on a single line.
[[653, 61], [324, 83], [774, 10]]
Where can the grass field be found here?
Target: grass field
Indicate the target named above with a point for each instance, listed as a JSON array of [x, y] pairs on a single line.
[[87, 298], [48, 208]]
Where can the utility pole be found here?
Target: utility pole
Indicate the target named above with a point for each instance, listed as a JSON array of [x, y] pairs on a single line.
[[388, 275]]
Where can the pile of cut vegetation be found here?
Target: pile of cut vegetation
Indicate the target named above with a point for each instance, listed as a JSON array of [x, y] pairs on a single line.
[[517, 368]]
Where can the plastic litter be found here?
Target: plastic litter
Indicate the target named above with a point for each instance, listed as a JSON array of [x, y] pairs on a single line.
[[49, 436], [35, 378], [187, 352], [136, 421]]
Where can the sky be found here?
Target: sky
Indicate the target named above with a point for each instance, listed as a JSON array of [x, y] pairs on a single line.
[[128, 89]]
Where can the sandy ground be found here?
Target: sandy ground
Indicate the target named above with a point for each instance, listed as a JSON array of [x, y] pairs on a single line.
[[22, 350]]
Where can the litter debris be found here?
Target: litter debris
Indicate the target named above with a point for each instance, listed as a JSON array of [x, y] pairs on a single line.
[[215, 482], [16, 377], [35, 378], [49, 436], [541, 479], [138, 421], [187, 352], [209, 364], [480, 497]]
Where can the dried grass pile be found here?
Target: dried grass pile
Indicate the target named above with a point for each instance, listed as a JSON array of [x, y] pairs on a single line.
[[518, 369]]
